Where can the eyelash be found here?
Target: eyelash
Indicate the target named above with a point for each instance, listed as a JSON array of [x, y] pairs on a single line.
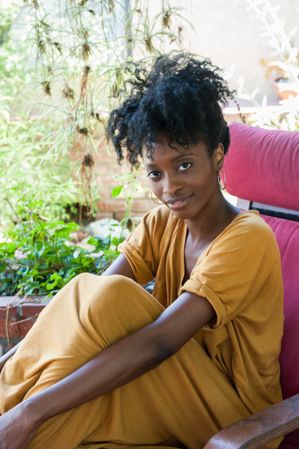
[[153, 177], [184, 163], [149, 175]]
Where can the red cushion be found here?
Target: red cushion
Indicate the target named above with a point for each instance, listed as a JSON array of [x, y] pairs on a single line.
[[287, 236], [262, 165]]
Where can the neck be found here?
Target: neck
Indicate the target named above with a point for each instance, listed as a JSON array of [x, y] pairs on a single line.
[[212, 220]]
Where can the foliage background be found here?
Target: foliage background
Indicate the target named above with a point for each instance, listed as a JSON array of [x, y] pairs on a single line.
[[64, 64]]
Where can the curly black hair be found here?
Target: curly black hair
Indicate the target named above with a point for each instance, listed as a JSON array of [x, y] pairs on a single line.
[[181, 97]]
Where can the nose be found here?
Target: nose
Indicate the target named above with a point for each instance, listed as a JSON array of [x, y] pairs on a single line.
[[170, 184]]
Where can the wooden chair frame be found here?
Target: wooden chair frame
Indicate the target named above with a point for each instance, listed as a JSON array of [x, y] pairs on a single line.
[[261, 428]]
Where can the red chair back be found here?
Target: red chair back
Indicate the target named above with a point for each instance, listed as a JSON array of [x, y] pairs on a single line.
[[262, 169]]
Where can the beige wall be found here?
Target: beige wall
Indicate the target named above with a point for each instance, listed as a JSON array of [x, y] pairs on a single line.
[[233, 37]]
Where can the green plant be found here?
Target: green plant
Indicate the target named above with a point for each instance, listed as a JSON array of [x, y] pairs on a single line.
[[35, 167], [30, 173], [282, 67], [286, 119], [39, 258], [85, 54], [128, 188], [284, 63], [15, 70], [6, 18], [58, 86]]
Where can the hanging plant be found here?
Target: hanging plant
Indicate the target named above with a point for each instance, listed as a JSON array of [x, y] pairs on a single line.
[[84, 50]]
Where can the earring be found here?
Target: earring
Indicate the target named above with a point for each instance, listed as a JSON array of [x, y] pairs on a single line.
[[221, 179], [155, 199]]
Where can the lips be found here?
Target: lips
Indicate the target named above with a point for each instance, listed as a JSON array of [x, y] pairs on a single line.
[[178, 203]]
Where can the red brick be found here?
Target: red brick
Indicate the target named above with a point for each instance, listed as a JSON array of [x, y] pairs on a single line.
[[17, 316], [105, 172]]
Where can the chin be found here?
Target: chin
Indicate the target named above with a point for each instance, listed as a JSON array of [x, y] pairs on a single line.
[[184, 214]]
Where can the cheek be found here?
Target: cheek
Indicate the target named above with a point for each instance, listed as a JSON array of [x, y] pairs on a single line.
[[156, 188], [204, 181], [148, 182]]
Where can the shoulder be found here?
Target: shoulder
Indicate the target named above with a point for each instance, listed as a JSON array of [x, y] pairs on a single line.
[[250, 223], [155, 229], [248, 231], [160, 218]]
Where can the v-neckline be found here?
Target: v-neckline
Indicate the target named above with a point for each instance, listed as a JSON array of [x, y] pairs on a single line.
[[183, 278]]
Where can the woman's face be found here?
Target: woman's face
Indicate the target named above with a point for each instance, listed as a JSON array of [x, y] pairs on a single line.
[[184, 179]]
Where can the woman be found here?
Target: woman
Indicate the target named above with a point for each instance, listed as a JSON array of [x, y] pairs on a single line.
[[132, 369]]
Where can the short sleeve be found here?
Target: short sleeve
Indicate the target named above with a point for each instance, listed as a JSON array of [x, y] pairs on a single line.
[[142, 248], [233, 271]]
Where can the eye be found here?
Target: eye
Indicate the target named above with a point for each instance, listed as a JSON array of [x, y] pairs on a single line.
[[184, 166], [154, 174]]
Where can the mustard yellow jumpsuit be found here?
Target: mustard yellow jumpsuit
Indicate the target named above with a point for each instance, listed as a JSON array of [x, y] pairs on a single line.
[[226, 372]]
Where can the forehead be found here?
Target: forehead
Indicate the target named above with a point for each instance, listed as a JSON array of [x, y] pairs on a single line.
[[166, 150]]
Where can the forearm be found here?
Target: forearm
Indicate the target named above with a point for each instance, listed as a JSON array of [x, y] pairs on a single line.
[[125, 360], [117, 365]]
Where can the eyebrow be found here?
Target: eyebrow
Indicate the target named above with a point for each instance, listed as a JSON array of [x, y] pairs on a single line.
[[174, 159]]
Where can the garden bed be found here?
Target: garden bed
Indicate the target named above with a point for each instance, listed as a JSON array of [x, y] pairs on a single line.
[[17, 315]]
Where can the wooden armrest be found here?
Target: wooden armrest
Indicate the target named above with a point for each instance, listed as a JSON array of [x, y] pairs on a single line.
[[260, 428]]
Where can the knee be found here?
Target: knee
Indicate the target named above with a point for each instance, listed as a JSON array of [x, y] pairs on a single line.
[[114, 306], [111, 304], [112, 281], [116, 288], [117, 282], [99, 292]]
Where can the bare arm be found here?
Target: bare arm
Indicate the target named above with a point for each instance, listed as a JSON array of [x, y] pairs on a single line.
[[113, 367], [120, 266]]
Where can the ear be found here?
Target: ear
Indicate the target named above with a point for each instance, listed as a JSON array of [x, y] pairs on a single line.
[[218, 157]]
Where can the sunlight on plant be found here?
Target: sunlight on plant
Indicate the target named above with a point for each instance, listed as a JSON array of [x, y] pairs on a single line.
[[281, 68], [77, 55], [64, 65], [39, 259]]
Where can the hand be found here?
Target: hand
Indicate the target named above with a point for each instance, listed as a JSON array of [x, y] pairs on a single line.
[[17, 428]]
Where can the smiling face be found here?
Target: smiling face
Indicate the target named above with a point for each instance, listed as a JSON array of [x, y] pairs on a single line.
[[184, 179]]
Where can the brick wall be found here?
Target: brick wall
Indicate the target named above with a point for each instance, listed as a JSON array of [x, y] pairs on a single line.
[[17, 316], [108, 174]]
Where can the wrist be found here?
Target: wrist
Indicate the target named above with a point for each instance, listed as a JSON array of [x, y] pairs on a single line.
[[33, 412]]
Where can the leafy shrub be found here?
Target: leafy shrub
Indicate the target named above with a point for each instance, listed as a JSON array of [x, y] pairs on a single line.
[[39, 259], [30, 172]]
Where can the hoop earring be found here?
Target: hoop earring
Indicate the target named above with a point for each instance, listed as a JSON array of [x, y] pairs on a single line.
[[221, 179], [155, 199]]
